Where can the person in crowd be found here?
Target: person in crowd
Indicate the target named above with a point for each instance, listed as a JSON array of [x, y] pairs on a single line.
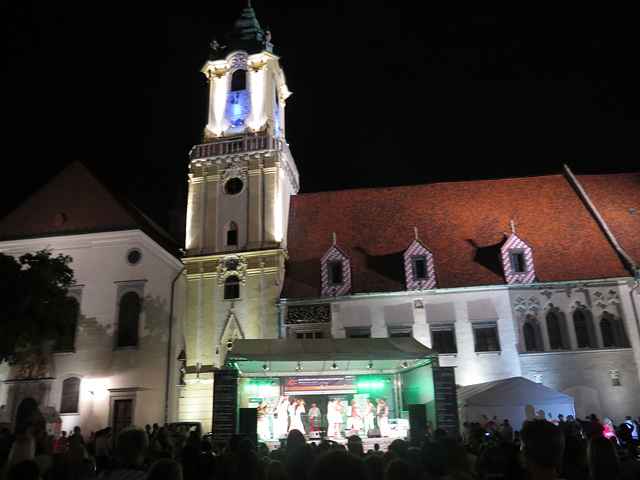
[[632, 426], [506, 431], [593, 427], [131, 447], [76, 438], [542, 445], [165, 469], [602, 458], [61, 443]]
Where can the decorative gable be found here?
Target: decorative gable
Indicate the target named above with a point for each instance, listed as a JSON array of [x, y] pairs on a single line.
[[517, 261], [419, 269], [336, 272]]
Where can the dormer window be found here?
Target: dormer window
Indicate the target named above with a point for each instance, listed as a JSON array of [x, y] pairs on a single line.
[[419, 268], [335, 272], [517, 261], [518, 264], [334, 269]]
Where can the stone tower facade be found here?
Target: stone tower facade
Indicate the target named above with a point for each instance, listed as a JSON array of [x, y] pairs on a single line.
[[241, 179]]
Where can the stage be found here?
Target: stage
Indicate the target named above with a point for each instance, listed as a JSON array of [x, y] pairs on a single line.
[[367, 443]]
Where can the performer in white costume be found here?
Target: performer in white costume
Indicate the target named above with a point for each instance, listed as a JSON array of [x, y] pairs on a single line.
[[355, 416], [281, 423], [384, 417], [263, 422], [296, 419], [369, 414]]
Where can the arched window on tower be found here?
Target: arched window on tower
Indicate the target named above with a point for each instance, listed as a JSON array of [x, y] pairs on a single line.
[[231, 288], [239, 80], [231, 235], [128, 320]]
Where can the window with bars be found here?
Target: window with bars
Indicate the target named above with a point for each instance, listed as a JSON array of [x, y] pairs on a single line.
[[554, 331], [529, 333], [70, 395], [443, 339], [231, 288], [357, 332], [486, 337]]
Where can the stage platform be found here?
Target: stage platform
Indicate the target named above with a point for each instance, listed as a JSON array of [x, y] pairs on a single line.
[[367, 443]]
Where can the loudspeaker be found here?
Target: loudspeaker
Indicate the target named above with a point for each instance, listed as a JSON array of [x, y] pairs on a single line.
[[248, 422], [373, 433], [417, 417], [315, 435], [418, 435]]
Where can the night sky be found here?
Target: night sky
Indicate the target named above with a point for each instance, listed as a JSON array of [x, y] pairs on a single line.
[[397, 94]]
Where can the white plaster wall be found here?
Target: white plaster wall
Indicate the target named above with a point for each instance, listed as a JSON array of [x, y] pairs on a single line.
[[472, 367], [99, 261]]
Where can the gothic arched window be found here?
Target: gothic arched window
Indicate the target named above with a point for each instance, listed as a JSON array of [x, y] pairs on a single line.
[[583, 328], [607, 333], [529, 337], [555, 331], [128, 320]]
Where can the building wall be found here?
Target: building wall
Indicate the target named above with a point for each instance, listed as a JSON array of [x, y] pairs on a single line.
[[139, 373]]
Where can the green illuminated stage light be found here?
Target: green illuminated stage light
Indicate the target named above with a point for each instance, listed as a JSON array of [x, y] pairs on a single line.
[[375, 384]]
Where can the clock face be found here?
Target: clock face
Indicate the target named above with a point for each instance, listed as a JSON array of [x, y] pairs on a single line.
[[238, 107]]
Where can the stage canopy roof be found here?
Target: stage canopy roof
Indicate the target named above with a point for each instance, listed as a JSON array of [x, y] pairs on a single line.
[[364, 355]]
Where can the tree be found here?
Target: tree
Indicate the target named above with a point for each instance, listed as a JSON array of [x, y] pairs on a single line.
[[35, 307]]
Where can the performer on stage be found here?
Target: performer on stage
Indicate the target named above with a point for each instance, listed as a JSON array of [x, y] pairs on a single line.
[[338, 418], [315, 417], [378, 409], [334, 418], [281, 423], [369, 413], [296, 419], [263, 422], [355, 416], [384, 417]]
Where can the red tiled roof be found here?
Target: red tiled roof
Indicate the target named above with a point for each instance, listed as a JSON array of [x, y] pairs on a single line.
[[374, 227], [76, 202]]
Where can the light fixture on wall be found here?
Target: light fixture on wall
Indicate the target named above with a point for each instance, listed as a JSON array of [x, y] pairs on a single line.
[[370, 365], [334, 366], [405, 364], [299, 366], [265, 367]]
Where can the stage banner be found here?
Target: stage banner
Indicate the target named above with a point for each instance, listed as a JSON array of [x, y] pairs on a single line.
[[225, 404], [319, 385], [444, 384]]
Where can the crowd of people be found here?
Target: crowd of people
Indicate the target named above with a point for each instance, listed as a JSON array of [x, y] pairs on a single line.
[[570, 449]]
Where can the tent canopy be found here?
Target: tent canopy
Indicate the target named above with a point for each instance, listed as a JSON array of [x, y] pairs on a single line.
[[517, 399]]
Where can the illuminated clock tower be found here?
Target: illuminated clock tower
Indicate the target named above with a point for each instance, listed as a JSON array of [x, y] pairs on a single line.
[[241, 178]]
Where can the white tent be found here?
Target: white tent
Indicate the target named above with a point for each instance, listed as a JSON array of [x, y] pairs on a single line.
[[516, 399]]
